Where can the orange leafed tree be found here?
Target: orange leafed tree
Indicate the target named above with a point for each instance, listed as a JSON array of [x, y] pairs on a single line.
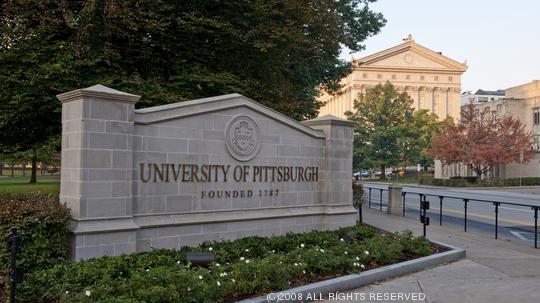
[[481, 141]]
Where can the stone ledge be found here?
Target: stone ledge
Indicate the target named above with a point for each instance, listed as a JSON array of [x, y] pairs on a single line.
[[160, 220], [375, 275]]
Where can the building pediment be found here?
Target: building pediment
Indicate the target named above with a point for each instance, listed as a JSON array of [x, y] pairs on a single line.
[[410, 55]]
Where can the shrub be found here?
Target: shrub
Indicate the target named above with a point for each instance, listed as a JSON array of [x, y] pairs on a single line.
[[242, 268], [43, 224]]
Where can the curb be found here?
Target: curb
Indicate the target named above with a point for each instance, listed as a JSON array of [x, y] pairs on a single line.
[[353, 281]]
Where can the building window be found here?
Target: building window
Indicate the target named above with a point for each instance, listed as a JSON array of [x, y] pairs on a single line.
[[436, 78], [364, 75], [408, 77], [422, 78], [536, 116], [393, 77], [379, 76], [536, 142], [450, 78]]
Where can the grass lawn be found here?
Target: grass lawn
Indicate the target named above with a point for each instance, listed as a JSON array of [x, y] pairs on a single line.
[[18, 184]]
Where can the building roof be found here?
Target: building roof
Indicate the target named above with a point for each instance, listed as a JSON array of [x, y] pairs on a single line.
[[499, 92]]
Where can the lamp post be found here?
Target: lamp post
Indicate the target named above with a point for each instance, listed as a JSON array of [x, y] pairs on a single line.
[[13, 245]]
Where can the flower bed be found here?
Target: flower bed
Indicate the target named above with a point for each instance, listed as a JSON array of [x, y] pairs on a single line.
[[243, 268]]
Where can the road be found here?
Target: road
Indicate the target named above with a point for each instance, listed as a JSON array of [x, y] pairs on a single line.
[[516, 221]]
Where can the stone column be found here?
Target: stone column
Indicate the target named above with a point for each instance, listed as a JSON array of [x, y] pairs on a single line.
[[395, 206], [96, 172], [337, 178]]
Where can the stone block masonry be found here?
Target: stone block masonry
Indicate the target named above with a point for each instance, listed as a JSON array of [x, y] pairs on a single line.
[[217, 168]]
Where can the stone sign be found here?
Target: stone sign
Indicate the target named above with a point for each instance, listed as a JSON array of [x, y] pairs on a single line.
[[210, 169]]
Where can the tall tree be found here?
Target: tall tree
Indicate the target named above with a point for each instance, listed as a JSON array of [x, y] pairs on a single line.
[[380, 115], [482, 141], [278, 52]]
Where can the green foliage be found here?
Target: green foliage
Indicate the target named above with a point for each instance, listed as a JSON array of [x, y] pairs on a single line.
[[278, 52], [474, 182], [242, 268], [43, 225], [388, 132]]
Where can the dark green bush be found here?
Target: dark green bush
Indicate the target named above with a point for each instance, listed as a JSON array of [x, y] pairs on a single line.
[[471, 179], [43, 224], [242, 268]]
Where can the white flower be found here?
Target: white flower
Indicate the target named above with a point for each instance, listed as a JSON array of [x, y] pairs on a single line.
[[200, 277], [247, 250], [177, 262], [67, 291], [218, 284], [280, 262], [341, 240], [382, 235], [223, 274], [242, 258], [147, 270], [273, 251], [304, 272], [346, 253], [210, 248], [233, 280], [366, 253], [217, 265], [247, 261], [363, 266], [322, 250], [357, 259], [302, 245], [295, 264], [87, 293], [355, 264], [188, 289]]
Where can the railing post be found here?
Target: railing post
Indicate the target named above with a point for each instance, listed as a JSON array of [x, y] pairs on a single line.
[[440, 209], [380, 201], [403, 194], [369, 201], [360, 214], [496, 219], [536, 227], [465, 202], [420, 207]]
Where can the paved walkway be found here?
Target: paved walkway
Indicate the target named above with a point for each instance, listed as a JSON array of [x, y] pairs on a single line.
[[494, 270]]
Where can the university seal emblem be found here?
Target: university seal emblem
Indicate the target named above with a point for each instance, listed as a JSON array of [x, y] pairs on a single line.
[[242, 138]]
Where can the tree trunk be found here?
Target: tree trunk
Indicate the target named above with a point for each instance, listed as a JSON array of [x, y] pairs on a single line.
[[33, 178], [1, 169], [383, 172], [12, 170], [23, 166]]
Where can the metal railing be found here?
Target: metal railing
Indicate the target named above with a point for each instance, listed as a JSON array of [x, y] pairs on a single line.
[[466, 200]]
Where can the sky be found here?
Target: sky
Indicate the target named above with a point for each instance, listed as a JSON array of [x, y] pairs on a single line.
[[500, 39]]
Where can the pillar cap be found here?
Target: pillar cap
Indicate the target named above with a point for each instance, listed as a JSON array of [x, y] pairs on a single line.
[[329, 120], [99, 92]]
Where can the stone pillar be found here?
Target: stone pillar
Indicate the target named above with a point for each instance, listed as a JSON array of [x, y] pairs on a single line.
[[96, 171], [395, 202], [337, 178]]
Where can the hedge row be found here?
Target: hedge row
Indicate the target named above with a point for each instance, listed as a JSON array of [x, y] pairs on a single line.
[[474, 182], [243, 268], [43, 224]]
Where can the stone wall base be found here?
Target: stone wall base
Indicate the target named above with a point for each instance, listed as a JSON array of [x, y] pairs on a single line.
[[157, 232]]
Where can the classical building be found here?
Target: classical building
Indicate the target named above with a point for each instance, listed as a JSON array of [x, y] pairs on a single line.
[[431, 79], [523, 103]]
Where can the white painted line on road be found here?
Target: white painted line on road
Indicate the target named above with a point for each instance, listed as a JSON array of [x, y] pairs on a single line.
[[520, 236]]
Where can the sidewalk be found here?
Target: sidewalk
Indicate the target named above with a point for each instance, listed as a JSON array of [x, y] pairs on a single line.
[[494, 270]]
